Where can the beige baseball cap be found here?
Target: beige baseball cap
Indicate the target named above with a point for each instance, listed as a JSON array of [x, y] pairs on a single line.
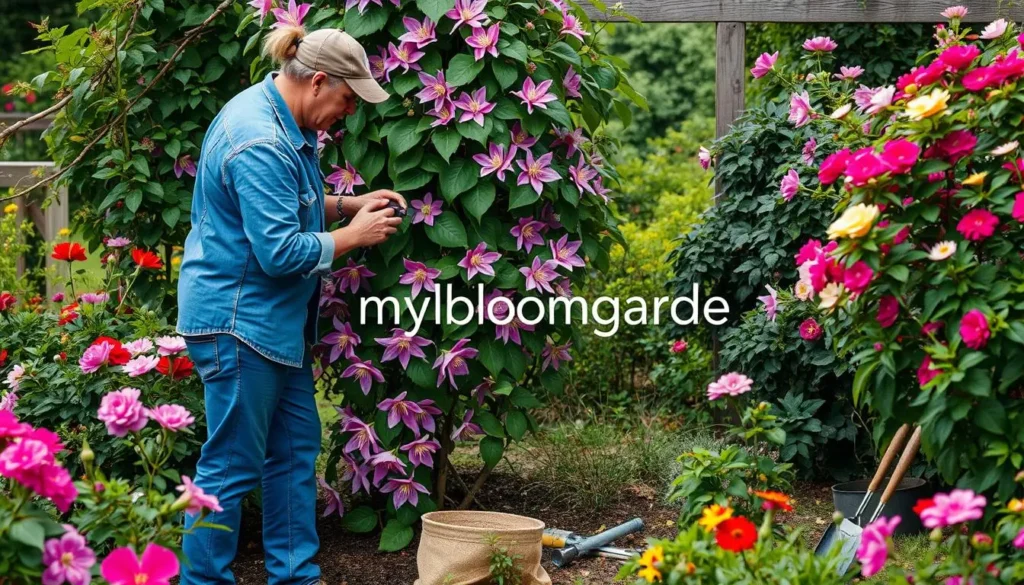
[[337, 53]]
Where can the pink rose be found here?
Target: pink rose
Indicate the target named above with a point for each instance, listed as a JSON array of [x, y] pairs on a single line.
[[172, 417], [974, 329], [858, 277], [888, 310], [810, 330], [960, 56], [925, 372], [900, 155], [977, 224], [122, 412], [865, 165], [1018, 207], [833, 166]]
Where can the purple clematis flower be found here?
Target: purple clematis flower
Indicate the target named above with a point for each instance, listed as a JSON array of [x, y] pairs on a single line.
[[360, 4], [467, 430], [478, 261], [426, 209], [364, 438], [520, 139], [549, 218], [378, 68], [452, 362], [494, 161], [356, 473], [483, 391], [402, 346], [563, 253], [771, 302], [536, 172], [421, 451], [183, 165], [582, 175], [474, 106], [571, 26], [291, 17], [539, 276], [434, 88], [527, 233], [419, 276], [364, 372], [420, 33], [554, 355], [484, 41], [405, 56], [352, 275], [405, 490], [384, 463], [510, 331], [334, 503], [469, 12], [342, 341], [344, 180], [571, 140], [571, 83], [262, 7], [600, 189], [445, 113], [328, 297], [426, 418], [563, 288], [535, 95]]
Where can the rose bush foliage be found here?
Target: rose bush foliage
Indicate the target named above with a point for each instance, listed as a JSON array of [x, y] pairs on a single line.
[[919, 280]]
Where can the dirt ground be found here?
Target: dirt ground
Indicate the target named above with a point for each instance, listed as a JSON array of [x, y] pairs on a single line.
[[353, 559]]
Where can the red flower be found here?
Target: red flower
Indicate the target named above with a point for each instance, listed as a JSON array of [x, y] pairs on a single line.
[[923, 505], [3, 357], [810, 330], [888, 311], [68, 314], [7, 300], [926, 373], [977, 224], [736, 534], [180, 368], [119, 356], [146, 259], [68, 252], [30, 98]]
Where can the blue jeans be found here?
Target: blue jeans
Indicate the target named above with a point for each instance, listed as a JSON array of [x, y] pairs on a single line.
[[263, 429]]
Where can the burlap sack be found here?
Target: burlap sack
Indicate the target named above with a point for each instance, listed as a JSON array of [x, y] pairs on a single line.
[[454, 547]]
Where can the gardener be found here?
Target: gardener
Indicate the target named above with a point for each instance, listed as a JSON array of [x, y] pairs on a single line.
[[249, 291]]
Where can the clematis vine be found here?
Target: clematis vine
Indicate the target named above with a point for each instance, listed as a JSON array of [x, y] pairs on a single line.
[[563, 253], [364, 438], [535, 95], [421, 451], [405, 490], [468, 429], [527, 233], [484, 40], [420, 33], [479, 261], [403, 347], [352, 276], [495, 161], [426, 209], [536, 172], [474, 106], [364, 372], [452, 362], [293, 16], [539, 275], [342, 341], [554, 355], [435, 89], [405, 56], [468, 12], [419, 275], [344, 180], [571, 83]]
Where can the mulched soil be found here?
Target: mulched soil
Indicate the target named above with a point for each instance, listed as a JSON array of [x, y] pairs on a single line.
[[352, 559]]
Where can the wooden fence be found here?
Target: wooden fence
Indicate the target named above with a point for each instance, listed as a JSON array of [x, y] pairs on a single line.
[[52, 218]]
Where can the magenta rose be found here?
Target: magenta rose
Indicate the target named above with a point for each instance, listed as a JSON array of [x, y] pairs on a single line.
[[888, 310], [974, 329], [833, 166]]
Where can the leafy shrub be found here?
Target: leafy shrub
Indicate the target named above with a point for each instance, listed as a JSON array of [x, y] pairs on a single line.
[[919, 281]]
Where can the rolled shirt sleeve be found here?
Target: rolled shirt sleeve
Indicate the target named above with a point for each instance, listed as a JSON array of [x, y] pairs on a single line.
[[270, 195]]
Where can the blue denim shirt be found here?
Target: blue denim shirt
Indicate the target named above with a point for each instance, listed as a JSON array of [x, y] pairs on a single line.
[[257, 246]]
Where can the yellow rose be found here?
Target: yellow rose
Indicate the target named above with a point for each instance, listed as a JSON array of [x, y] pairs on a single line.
[[11, 208], [976, 179], [1015, 505], [925, 106], [855, 222]]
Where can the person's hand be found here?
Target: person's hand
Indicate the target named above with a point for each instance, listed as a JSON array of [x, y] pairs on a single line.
[[374, 223], [360, 202]]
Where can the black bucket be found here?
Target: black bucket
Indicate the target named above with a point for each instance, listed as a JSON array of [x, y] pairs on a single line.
[[847, 496]]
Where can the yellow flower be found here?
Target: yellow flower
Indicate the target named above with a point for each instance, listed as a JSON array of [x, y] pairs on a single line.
[[64, 232], [652, 556], [714, 515], [11, 208], [976, 179], [855, 222], [176, 261], [830, 295], [926, 106], [1015, 505]]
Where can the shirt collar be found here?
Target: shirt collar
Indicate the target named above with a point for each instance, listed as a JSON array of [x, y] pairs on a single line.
[[296, 136]]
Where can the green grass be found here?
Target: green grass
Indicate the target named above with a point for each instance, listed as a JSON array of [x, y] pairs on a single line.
[[907, 550]]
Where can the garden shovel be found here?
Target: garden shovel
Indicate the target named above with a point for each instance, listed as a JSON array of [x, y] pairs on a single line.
[[847, 534]]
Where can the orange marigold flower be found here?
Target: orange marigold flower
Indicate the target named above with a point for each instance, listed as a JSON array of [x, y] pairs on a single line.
[[775, 501]]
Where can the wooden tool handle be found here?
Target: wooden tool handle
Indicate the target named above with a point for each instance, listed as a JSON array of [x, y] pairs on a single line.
[[904, 465], [890, 455]]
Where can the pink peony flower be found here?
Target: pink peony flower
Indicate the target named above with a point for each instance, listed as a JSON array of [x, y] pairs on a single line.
[[800, 109], [535, 95], [67, 559], [790, 185], [196, 498], [810, 330], [764, 64], [888, 311], [858, 277], [849, 73], [982, 78], [95, 298], [731, 384], [141, 365], [833, 166], [873, 550], [95, 357], [977, 224], [900, 155], [956, 507], [820, 44], [139, 346], [974, 329], [122, 412], [156, 567], [881, 99], [679, 346], [952, 12], [118, 242], [170, 344], [426, 209], [172, 417]]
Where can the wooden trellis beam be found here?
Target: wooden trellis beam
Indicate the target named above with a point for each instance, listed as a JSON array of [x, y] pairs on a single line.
[[871, 11]]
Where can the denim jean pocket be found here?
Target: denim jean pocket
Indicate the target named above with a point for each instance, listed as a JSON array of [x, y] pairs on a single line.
[[205, 354]]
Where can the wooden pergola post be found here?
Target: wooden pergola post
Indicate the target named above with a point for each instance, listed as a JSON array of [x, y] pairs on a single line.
[[730, 70]]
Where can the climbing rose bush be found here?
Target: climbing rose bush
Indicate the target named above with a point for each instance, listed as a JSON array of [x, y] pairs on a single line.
[[494, 135], [919, 272]]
